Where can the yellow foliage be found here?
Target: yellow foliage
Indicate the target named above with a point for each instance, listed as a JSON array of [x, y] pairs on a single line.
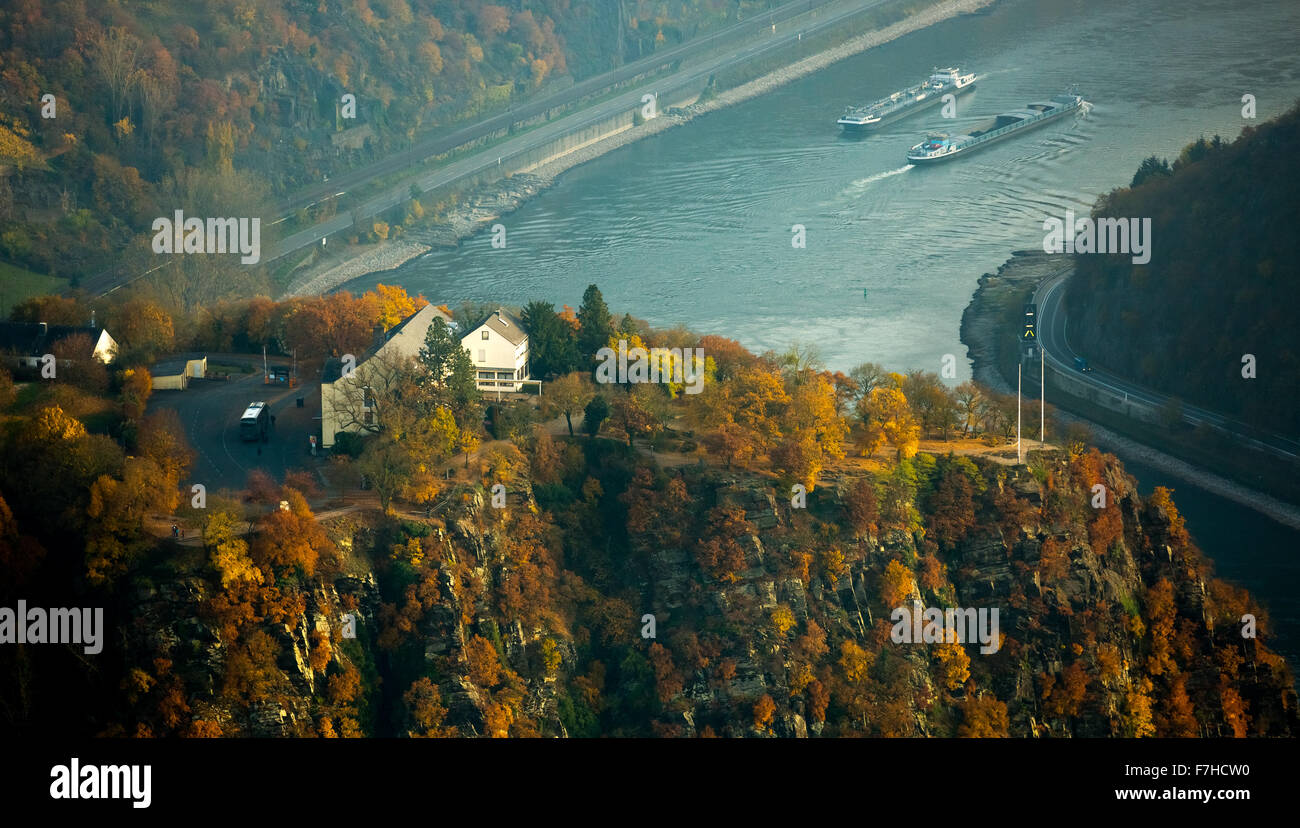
[[896, 585], [955, 663], [783, 620], [16, 149], [855, 662]]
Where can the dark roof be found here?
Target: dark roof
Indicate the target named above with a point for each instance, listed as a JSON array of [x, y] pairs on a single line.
[[505, 323], [168, 367], [35, 338], [332, 370]]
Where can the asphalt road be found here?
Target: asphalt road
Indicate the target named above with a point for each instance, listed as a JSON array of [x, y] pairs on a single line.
[[209, 412], [1053, 326]]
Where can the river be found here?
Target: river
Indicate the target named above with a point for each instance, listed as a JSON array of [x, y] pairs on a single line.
[[693, 226]]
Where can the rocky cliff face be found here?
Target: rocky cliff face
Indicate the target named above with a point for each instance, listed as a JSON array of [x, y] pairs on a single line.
[[768, 620]]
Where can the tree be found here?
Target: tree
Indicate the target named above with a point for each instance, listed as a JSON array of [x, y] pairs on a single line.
[[115, 533], [377, 394], [868, 376], [115, 55], [1077, 438], [813, 420], [1137, 722], [392, 304], [1177, 717], [983, 717], [1151, 167], [228, 553], [629, 415], [77, 366], [954, 663], [137, 385], [595, 413], [951, 506], [764, 709], [552, 343], [595, 325], [143, 330], [389, 468], [719, 551], [425, 710], [889, 419], [571, 393], [668, 680], [290, 538], [481, 662], [896, 585], [161, 438], [860, 508], [53, 310], [1161, 503], [468, 443], [969, 399], [450, 373], [745, 411]]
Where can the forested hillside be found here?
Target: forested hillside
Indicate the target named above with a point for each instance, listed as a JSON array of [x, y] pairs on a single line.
[[234, 102], [1220, 284], [609, 559]]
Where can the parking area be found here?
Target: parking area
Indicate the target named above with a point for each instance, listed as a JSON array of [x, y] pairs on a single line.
[[209, 411]]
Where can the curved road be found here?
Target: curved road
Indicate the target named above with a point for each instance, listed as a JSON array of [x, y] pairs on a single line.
[[1052, 338]]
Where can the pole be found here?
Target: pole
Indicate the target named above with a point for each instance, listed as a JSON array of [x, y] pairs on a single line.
[[1018, 372], [1042, 396]]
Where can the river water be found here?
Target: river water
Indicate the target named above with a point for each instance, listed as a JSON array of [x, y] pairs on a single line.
[[693, 226]]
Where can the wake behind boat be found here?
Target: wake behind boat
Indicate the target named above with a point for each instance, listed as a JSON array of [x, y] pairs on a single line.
[[905, 102], [940, 146]]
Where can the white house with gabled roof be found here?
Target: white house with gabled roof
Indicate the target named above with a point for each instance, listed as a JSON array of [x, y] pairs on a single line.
[[498, 349]]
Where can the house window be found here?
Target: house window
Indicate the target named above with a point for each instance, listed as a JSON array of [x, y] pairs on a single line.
[[482, 355], [370, 417], [485, 334]]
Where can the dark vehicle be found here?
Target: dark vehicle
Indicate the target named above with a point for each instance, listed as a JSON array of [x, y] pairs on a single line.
[[255, 422], [1081, 364]]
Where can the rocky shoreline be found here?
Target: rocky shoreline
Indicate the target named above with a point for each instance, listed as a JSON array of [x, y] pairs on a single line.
[[491, 202], [357, 262]]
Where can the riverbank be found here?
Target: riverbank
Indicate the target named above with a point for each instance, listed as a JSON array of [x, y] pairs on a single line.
[[488, 204], [986, 326], [328, 272]]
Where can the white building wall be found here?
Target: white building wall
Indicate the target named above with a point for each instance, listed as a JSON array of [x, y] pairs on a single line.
[[497, 356]]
